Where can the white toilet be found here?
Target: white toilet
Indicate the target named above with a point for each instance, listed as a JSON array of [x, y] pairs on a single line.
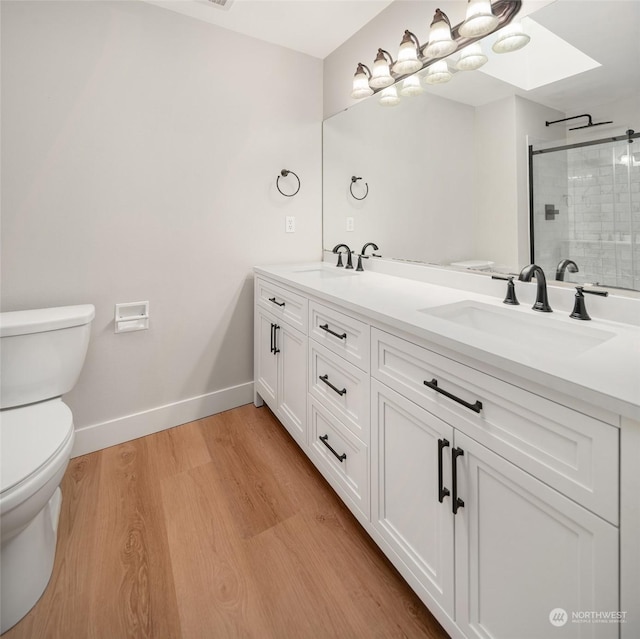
[[41, 354]]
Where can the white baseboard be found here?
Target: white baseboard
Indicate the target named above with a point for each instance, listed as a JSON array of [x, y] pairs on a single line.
[[124, 429]]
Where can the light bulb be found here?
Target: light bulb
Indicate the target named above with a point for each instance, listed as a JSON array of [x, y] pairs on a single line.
[[440, 42], [438, 73], [381, 75], [411, 86], [389, 97], [471, 58], [479, 20], [511, 38], [361, 88], [407, 56]]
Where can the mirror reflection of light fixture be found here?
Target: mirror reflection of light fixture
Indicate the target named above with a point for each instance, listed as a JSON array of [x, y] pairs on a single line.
[[471, 58], [511, 38], [479, 21], [438, 73], [440, 42], [389, 96], [408, 61], [361, 88], [411, 86], [381, 74]]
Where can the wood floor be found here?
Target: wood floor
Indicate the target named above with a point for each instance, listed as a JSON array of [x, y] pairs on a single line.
[[216, 529]]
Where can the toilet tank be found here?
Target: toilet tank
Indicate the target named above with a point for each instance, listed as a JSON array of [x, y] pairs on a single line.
[[42, 352]]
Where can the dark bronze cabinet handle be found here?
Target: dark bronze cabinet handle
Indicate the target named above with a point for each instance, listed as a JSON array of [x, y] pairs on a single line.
[[273, 299], [325, 379], [456, 501], [272, 325], [324, 440], [325, 327], [442, 491], [476, 407], [275, 339]]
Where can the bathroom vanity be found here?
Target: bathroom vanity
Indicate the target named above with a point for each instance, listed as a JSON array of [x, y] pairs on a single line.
[[490, 451]]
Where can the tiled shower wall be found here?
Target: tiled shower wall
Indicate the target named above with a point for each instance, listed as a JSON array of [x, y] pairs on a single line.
[[597, 195]]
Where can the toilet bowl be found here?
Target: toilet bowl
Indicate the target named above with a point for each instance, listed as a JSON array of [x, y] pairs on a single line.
[[41, 355]]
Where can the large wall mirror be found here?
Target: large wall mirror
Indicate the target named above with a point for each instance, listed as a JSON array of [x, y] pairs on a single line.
[[443, 178]]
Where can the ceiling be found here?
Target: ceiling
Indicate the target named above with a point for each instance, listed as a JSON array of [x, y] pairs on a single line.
[[606, 30], [314, 27]]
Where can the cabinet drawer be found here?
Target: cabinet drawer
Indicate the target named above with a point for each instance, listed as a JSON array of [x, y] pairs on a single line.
[[570, 451], [340, 457], [341, 388], [283, 303], [344, 335]]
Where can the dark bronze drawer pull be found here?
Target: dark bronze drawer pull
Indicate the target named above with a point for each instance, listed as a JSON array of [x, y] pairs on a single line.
[[325, 379], [325, 327], [476, 408], [456, 502], [323, 439], [442, 491], [273, 299]]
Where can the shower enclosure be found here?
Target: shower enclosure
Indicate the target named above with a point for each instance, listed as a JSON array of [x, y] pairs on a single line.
[[585, 207]]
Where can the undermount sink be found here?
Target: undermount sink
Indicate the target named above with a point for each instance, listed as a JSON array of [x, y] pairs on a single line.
[[543, 333], [325, 272]]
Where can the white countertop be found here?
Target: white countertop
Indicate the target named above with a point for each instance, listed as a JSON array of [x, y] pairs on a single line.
[[606, 374]]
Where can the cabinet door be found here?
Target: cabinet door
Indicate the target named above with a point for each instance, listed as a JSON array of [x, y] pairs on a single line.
[[292, 381], [266, 360], [406, 510], [523, 551]]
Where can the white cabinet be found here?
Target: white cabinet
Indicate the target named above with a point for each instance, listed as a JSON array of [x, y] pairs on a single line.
[[281, 370], [499, 504], [522, 550], [409, 511]]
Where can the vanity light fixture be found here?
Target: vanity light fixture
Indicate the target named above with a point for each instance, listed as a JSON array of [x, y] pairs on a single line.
[[361, 88], [389, 96], [471, 58], [441, 42], [438, 73], [483, 17], [511, 38], [479, 20], [408, 53], [381, 74], [411, 86]]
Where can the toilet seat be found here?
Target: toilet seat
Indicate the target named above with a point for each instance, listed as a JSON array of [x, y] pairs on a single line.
[[33, 438]]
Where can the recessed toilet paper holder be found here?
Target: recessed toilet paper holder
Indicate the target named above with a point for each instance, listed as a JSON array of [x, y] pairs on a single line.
[[131, 316]]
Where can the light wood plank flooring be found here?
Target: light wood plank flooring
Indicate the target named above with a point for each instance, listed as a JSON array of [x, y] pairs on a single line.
[[216, 529]]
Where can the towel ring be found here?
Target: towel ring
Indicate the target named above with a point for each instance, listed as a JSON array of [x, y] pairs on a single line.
[[284, 173], [354, 179]]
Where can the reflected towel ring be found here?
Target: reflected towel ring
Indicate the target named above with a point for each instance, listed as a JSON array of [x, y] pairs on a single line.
[[354, 179], [284, 173]]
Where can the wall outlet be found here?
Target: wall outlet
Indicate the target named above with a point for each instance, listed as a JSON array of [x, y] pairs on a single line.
[[351, 225], [290, 224]]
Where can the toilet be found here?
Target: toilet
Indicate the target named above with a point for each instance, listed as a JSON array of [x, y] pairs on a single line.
[[41, 355]]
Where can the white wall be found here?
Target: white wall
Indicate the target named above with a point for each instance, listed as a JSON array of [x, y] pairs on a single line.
[[137, 166]]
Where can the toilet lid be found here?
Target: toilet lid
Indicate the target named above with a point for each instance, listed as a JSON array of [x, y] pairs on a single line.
[[29, 437]]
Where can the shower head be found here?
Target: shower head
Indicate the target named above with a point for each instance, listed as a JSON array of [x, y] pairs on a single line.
[[590, 122]]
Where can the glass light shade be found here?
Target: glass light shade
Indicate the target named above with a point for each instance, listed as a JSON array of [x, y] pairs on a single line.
[[411, 86], [440, 41], [381, 74], [438, 73], [471, 58], [407, 59], [511, 38], [479, 20], [389, 97], [361, 88]]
